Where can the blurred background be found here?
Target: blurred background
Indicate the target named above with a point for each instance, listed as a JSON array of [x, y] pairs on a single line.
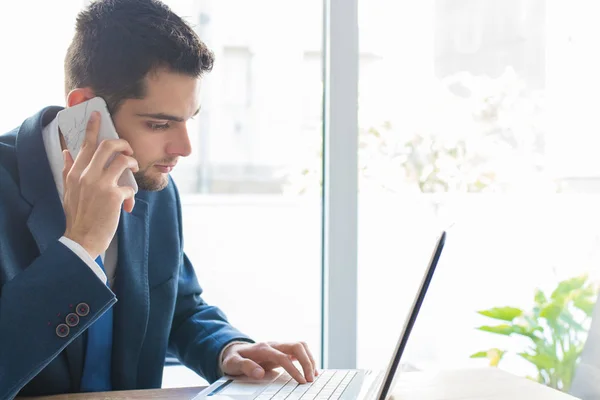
[[471, 113]]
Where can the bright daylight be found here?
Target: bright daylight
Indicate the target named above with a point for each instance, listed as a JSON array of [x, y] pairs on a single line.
[[474, 117]]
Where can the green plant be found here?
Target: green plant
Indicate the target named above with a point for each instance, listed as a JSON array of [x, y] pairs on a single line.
[[555, 328]]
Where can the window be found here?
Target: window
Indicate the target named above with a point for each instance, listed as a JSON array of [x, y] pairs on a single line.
[[477, 114], [254, 240]]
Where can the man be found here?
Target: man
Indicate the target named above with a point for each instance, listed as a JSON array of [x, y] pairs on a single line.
[[72, 242]]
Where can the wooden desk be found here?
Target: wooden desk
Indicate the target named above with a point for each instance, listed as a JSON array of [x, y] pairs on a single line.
[[151, 394], [473, 384]]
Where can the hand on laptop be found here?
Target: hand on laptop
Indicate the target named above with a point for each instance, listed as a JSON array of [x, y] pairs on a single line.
[[253, 359]]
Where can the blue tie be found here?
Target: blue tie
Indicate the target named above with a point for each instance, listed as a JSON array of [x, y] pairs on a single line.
[[96, 370]]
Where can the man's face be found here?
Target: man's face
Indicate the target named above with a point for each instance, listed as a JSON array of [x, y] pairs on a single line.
[[155, 126]]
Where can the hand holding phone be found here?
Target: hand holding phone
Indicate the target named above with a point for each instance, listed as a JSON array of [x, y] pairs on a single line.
[[73, 121], [92, 196]]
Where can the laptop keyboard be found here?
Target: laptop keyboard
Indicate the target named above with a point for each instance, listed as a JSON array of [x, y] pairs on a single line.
[[330, 384]]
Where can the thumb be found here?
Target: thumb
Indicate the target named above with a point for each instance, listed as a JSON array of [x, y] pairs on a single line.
[[237, 365]]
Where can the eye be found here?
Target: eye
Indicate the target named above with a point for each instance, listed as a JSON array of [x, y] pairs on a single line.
[[158, 127]]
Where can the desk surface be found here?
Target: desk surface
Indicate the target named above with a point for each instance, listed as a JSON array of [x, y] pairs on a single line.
[[472, 384], [480, 384], [151, 394]]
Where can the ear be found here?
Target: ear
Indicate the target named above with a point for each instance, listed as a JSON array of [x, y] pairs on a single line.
[[79, 95]]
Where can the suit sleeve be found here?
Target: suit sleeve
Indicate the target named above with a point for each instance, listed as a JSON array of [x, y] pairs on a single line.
[[200, 331], [34, 305], [85, 256]]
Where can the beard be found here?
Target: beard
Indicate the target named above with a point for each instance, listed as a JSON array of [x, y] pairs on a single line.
[[149, 183]]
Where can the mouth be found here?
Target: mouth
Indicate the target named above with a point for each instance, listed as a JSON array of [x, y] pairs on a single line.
[[165, 168]]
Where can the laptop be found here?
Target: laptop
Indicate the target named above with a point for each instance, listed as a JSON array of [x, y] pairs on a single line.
[[330, 384]]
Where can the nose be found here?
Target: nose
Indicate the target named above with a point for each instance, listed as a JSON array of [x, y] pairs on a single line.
[[181, 145]]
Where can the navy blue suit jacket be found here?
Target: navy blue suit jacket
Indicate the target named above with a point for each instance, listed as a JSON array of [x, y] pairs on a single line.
[[159, 309]]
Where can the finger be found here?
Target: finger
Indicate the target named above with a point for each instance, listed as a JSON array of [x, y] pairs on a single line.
[[127, 197], [127, 192], [311, 358], [106, 151], [117, 166], [68, 164], [128, 204], [287, 364], [88, 148], [299, 352], [237, 365]]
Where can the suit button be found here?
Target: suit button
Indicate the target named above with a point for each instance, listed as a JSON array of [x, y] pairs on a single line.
[[62, 330], [72, 320], [82, 309]]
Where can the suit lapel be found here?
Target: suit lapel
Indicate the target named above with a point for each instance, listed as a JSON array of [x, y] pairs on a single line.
[[46, 221], [131, 287], [34, 168]]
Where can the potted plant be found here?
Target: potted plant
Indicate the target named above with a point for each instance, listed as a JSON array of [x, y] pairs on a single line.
[[556, 329]]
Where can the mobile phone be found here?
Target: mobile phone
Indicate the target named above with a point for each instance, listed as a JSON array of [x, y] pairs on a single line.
[[73, 121]]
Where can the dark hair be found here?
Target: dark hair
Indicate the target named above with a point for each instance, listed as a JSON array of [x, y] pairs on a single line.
[[117, 43]]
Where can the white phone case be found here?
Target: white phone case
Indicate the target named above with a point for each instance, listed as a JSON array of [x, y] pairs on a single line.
[[73, 121]]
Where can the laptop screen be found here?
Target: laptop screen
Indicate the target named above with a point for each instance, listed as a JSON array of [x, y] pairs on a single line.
[[392, 372]]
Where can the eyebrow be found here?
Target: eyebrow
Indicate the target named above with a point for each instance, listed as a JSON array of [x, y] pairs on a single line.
[[166, 117]]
